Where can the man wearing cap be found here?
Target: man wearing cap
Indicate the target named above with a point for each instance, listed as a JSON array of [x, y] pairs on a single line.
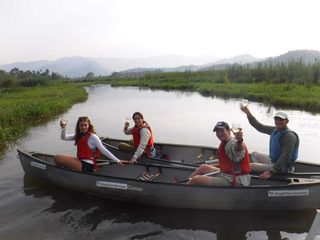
[[234, 161], [283, 146]]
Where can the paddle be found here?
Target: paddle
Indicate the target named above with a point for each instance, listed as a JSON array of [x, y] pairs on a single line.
[[155, 160]]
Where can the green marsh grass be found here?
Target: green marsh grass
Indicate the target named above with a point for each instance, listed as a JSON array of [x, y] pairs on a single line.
[[23, 108], [293, 96]]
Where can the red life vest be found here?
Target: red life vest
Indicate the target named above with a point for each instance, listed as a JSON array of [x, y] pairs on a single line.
[[228, 167], [84, 152], [136, 138]]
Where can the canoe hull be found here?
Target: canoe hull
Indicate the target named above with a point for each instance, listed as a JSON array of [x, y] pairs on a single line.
[[300, 196]]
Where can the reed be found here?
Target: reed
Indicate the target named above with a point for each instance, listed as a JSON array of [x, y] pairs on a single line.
[[23, 108], [286, 95]]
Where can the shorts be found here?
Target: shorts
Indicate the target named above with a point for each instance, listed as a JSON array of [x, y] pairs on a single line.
[[220, 181], [226, 180], [87, 167]]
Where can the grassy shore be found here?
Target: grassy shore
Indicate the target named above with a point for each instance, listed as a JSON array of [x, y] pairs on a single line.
[[293, 96], [23, 108]]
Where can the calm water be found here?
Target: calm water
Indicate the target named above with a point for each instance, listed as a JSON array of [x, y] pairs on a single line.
[[31, 209]]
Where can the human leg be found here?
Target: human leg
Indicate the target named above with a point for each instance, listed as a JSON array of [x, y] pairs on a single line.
[[203, 169], [260, 167], [257, 157], [68, 161], [128, 147], [209, 181]]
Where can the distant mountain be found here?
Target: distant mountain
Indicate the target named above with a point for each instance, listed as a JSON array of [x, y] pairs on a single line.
[[80, 66], [241, 59], [68, 66], [307, 56], [32, 66], [220, 64], [166, 61]]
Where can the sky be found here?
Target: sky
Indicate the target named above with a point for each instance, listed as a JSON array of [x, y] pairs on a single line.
[[50, 29]]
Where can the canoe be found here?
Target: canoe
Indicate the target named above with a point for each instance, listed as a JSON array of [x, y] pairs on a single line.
[[156, 185], [194, 155]]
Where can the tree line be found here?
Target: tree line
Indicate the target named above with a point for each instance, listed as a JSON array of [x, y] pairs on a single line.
[[19, 78], [295, 71]]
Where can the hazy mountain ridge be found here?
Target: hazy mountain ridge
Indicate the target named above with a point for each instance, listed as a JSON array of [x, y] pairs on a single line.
[[67, 66], [80, 66], [307, 56]]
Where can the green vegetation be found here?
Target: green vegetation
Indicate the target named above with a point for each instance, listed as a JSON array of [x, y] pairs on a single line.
[[21, 108], [28, 98], [293, 85]]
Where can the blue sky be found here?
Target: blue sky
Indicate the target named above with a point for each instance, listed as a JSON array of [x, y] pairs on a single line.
[[50, 29]]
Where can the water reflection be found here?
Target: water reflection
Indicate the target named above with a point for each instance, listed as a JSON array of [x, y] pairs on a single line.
[[100, 218]]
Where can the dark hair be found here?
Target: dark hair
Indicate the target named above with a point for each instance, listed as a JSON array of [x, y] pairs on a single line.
[[139, 114], [78, 135]]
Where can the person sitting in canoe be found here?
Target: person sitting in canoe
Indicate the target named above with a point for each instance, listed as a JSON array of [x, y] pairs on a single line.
[[142, 138], [89, 147], [234, 161], [283, 146]]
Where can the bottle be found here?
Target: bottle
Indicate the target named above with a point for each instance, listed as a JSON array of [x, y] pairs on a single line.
[[244, 103], [127, 122], [236, 127]]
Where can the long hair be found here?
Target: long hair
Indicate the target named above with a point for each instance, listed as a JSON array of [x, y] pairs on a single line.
[[140, 115], [78, 134]]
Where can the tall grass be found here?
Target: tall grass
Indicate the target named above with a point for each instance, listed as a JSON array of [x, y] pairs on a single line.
[[289, 95], [22, 108]]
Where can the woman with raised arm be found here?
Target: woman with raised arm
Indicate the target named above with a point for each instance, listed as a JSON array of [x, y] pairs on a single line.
[[89, 147], [142, 138]]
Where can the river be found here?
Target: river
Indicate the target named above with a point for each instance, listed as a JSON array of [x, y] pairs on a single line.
[[31, 209]]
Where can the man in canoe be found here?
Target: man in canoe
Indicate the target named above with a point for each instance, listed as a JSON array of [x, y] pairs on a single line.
[[234, 161], [283, 146]]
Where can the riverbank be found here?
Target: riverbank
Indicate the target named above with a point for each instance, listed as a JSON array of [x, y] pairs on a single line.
[[292, 96], [22, 108]]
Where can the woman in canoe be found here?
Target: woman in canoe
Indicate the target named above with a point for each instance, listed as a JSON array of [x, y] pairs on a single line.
[[142, 138], [234, 161], [89, 147]]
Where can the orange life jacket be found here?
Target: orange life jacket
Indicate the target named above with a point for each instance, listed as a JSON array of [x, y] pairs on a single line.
[[136, 138], [84, 152], [229, 167]]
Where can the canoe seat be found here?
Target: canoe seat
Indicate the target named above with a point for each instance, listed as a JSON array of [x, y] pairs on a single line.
[[145, 176]]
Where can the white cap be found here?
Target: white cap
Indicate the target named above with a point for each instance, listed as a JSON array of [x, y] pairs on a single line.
[[281, 115]]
